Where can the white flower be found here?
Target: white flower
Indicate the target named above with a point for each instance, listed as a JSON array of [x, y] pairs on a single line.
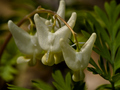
[[60, 12], [77, 61], [50, 41], [26, 43]]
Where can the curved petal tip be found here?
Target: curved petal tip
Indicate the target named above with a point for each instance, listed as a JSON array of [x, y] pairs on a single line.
[[36, 16], [22, 59]]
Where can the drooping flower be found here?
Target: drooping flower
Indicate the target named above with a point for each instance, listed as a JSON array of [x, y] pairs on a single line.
[[77, 61], [26, 43], [50, 41], [60, 12]]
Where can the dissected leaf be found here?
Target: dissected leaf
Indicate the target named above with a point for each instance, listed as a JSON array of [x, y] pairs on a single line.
[[68, 80], [101, 64], [117, 61], [92, 70], [116, 13], [85, 34], [103, 16], [108, 70], [104, 87], [116, 27], [7, 72], [9, 57], [13, 87], [59, 83], [42, 85], [92, 62], [108, 9], [116, 77], [99, 29]]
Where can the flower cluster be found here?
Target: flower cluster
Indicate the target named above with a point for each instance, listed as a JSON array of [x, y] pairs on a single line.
[[54, 42]]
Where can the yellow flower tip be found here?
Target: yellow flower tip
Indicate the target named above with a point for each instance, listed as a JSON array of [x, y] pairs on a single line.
[[48, 59], [78, 76], [58, 57]]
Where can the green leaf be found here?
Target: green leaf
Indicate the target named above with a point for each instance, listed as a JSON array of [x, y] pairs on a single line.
[[105, 49], [117, 61], [108, 71], [13, 87], [89, 26], [103, 54], [11, 47], [99, 29], [8, 60], [113, 5], [7, 72], [117, 85], [102, 15], [59, 83], [85, 34], [101, 64], [57, 86], [108, 9], [57, 76], [116, 77], [116, 13], [92, 62], [92, 70], [116, 26], [68, 80], [42, 85], [104, 87]]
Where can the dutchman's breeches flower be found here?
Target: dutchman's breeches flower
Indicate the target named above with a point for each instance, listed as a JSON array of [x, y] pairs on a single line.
[[60, 12], [77, 61], [26, 43], [49, 41]]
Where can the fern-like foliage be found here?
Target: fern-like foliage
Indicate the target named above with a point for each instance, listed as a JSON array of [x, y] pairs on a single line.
[[13, 87], [107, 25], [60, 83], [8, 60]]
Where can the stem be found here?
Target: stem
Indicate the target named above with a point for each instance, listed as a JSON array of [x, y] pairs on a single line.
[[112, 83]]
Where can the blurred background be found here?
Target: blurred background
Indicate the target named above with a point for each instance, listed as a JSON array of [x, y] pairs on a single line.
[[21, 75]]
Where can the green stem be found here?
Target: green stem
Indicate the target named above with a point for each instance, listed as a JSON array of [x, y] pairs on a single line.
[[112, 83]]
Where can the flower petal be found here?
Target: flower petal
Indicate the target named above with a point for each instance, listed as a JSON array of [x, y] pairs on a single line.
[[22, 59], [58, 57], [48, 40], [61, 11], [64, 33], [22, 39], [86, 50], [42, 32], [48, 59], [70, 56]]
